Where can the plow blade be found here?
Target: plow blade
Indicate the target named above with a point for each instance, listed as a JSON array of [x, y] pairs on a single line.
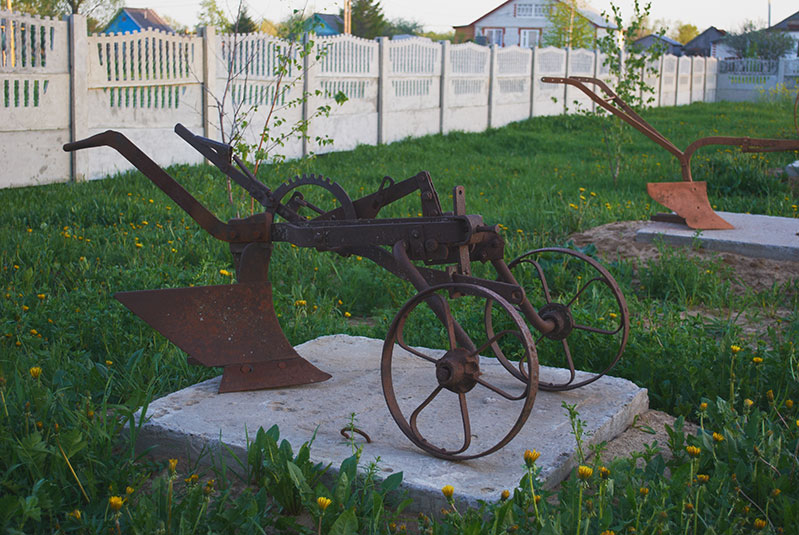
[[689, 201], [233, 326]]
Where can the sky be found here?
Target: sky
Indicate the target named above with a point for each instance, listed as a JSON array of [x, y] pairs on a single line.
[[441, 15]]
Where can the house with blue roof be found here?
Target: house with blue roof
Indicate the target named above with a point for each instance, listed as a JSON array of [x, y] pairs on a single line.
[[324, 24], [131, 19]]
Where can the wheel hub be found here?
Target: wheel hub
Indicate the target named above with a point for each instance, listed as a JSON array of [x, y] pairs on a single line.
[[458, 370], [561, 316]]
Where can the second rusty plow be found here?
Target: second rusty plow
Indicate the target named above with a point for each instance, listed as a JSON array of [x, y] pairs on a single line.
[[557, 299]]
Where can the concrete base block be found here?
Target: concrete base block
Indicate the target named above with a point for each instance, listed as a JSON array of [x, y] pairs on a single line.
[[758, 236], [197, 418]]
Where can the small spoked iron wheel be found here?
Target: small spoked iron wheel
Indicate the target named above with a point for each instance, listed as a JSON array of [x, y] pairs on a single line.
[[585, 303], [450, 400]]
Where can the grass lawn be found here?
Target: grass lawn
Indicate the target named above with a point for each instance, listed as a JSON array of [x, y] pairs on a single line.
[[75, 364]]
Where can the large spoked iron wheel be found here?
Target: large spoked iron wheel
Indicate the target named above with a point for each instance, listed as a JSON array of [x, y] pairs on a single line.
[[584, 300], [442, 391]]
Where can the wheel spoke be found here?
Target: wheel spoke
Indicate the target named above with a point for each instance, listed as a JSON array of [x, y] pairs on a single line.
[[587, 284], [413, 351], [596, 329], [467, 427], [418, 409], [499, 354], [541, 277], [501, 392]]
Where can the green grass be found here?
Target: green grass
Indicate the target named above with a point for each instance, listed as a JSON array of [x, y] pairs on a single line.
[[67, 248]]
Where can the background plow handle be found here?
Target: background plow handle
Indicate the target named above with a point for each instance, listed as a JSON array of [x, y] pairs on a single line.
[[209, 222]]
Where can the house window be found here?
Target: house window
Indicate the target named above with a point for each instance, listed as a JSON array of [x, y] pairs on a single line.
[[494, 35], [528, 38], [524, 10], [542, 10]]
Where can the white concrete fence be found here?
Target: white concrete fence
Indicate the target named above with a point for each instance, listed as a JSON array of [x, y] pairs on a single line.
[[59, 85], [752, 79]]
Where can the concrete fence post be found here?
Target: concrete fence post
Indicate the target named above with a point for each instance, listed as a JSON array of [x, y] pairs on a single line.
[[493, 87], [532, 80], [443, 100], [78, 93], [382, 88], [783, 63], [208, 81]]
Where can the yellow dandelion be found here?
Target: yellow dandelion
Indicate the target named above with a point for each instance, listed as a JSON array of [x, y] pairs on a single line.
[[25, 308], [224, 272], [530, 457], [109, 362], [448, 491], [75, 514], [702, 478], [760, 523], [703, 406], [35, 372], [757, 360], [735, 349], [129, 490], [643, 491], [613, 315], [323, 502], [41, 296], [139, 245], [347, 314], [604, 472], [173, 464], [693, 451], [34, 332], [789, 404], [115, 502], [584, 472], [505, 495], [748, 403], [718, 437]]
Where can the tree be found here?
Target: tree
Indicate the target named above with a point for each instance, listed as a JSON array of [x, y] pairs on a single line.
[[368, 20], [402, 26], [750, 42], [568, 28], [212, 15], [684, 32], [268, 27], [243, 22], [98, 12]]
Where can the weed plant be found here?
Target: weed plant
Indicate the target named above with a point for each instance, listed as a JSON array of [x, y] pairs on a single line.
[[75, 365]]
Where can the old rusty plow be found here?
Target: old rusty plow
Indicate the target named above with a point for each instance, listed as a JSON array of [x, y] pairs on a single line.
[[486, 357], [688, 199]]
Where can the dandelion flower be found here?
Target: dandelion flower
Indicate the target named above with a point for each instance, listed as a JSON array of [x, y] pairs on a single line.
[[139, 245], [115, 502], [505, 495], [224, 272], [748, 403], [703, 406], [173, 464], [41, 296], [347, 314], [735, 349], [789, 404], [757, 360], [448, 491], [718, 437], [35, 372], [530, 457], [760, 523], [584, 472], [693, 451], [604, 472], [109, 362], [643, 491], [323, 502], [702, 478]]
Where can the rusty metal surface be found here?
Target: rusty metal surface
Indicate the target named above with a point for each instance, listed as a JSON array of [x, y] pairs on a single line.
[[688, 199], [235, 326]]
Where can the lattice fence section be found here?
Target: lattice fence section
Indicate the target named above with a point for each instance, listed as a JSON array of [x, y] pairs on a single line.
[[414, 74], [698, 79], [651, 77], [580, 63], [684, 81], [711, 74], [668, 81], [32, 50], [469, 73], [548, 99], [255, 68], [350, 65], [514, 65]]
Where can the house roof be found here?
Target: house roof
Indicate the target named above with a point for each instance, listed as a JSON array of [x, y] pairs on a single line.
[[334, 21], [667, 40], [789, 24], [146, 19], [593, 16], [705, 39]]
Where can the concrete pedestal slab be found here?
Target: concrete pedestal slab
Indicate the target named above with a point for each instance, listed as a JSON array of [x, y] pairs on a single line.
[[197, 418], [759, 236]]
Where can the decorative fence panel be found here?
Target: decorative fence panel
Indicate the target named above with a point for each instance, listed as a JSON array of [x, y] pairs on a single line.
[[746, 79], [711, 76], [412, 96], [790, 73], [466, 88], [697, 79], [258, 81], [512, 74], [668, 81], [34, 99], [580, 63], [683, 81], [349, 66], [651, 78], [548, 99], [142, 84]]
